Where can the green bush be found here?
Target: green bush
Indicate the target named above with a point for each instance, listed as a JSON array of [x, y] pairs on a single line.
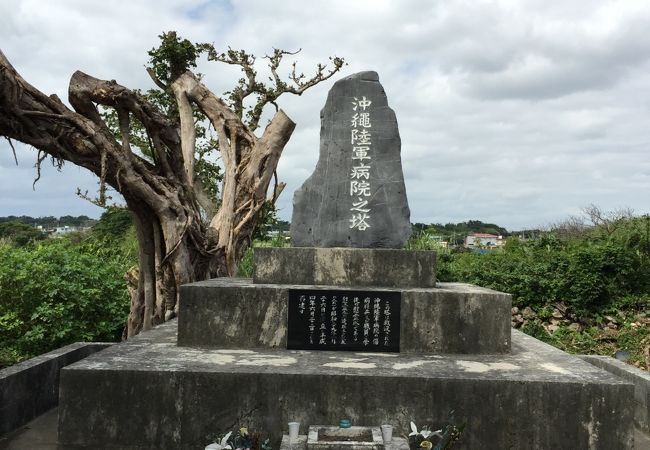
[[57, 292], [19, 233], [599, 271]]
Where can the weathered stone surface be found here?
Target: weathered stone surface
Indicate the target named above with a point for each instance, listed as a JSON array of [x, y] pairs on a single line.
[[345, 267], [641, 380], [30, 388], [150, 393], [235, 313], [322, 215]]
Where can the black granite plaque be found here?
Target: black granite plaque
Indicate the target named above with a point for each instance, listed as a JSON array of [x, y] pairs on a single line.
[[343, 320]]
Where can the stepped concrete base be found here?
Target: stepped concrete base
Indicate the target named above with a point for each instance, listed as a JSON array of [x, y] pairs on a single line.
[[149, 393], [344, 267], [451, 318]]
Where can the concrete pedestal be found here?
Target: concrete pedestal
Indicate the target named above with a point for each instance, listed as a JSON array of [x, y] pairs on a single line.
[[236, 313], [229, 361], [149, 393]]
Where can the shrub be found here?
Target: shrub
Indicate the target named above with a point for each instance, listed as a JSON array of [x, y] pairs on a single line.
[[596, 272], [56, 292], [19, 233]]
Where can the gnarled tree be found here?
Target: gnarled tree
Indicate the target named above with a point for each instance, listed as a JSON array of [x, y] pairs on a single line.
[[185, 232]]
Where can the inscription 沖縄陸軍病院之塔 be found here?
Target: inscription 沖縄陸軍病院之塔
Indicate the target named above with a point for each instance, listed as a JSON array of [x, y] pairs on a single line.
[[360, 184]]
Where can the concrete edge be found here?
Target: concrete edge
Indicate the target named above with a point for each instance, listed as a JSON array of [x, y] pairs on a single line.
[[31, 388], [640, 379]]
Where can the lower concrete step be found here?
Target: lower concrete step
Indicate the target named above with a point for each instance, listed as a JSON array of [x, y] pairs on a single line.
[[151, 393]]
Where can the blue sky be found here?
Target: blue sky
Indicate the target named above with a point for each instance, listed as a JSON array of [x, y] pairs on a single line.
[[514, 112]]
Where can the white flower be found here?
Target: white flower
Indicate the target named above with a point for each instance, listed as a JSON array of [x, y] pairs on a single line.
[[437, 433], [425, 432], [222, 445]]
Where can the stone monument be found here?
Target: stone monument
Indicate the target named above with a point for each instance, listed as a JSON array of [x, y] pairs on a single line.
[[356, 195], [339, 327]]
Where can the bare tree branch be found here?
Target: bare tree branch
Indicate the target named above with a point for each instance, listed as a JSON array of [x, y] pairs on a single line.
[[155, 79], [13, 149]]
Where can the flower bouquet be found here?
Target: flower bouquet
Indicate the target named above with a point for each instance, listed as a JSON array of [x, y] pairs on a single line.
[[241, 440], [441, 439]]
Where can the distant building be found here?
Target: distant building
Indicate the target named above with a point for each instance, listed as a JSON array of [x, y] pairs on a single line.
[[483, 240], [66, 229]]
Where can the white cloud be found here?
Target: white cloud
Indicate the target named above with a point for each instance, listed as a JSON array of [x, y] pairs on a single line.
[[514, 112]]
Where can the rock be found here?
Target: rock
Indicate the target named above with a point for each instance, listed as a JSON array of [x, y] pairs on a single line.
[[611, 319], [356, 196], [519, 318], [552, 328], [555, 322], [515, 310], [575, 326], [557, 314], [622, 355], [608, 334], [588, 321], [612, 326], [528, 313]]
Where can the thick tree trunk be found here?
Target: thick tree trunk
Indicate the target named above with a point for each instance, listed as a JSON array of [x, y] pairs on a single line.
[[176, 246]]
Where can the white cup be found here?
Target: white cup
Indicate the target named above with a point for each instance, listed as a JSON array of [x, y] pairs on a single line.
[[387, 433], [294, 429]]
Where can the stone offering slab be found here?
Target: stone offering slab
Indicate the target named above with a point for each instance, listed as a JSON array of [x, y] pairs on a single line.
[[397, 443], [322, 437]]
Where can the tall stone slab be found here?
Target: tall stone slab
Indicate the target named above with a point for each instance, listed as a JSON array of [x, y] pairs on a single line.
[[356, 196]]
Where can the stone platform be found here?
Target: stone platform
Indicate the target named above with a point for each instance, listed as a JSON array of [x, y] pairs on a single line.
[[451, 318], [149, 393]]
